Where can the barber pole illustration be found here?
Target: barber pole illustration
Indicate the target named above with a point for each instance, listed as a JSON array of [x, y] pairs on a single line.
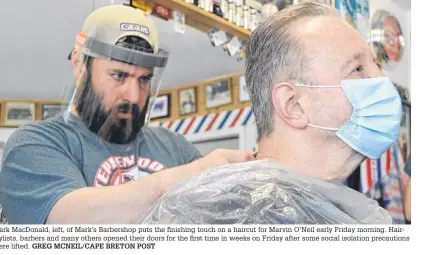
[[386, 163], [368, 171], [209, 122], [385, 175], [393, 191]]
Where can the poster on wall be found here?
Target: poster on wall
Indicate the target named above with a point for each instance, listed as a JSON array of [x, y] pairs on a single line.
[[19, 113], [393, 38], [51, 110], [179, 22], [387, 39], [187, 101], [243, 90], [5, 133], [362, 21], [4, 136], [347, 10], [218, 93], [161, 107], [405, 125]]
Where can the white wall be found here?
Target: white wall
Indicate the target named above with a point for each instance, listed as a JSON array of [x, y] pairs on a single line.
[[34, 45], [401, 10], [37, 36]]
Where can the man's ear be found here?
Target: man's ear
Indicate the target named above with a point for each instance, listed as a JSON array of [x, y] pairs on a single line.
[[288, 106], [77, 64]]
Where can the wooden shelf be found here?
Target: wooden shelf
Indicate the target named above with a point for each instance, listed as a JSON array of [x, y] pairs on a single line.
[[203, 20]]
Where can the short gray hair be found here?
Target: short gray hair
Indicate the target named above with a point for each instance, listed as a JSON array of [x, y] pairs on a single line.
[[274, 54]]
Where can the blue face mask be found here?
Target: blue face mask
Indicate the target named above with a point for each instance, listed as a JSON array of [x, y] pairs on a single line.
[[375, 122]]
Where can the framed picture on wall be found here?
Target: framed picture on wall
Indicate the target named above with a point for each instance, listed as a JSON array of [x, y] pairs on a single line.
[[243, 90], [405, 131], [4, 136], [161, 107], [5, 133], [187, 101], [50, 110], [218, 93], [19, 113]]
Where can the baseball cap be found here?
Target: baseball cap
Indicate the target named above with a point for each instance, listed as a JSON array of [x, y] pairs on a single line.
[[119, 33], [106, 26]]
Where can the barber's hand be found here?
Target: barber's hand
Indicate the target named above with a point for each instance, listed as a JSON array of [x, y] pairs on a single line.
[[216, 158], [221, 157]]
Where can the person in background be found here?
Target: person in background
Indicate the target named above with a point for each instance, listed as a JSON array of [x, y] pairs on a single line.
[[407, 191], [52, 170]]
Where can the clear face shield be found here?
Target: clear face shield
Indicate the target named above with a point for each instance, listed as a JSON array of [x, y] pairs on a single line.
[[116, 87]]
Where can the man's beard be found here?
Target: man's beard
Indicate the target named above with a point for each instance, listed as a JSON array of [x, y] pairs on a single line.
[[91, 110]]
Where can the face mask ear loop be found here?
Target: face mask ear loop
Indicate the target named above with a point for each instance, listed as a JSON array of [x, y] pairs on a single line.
[[317, 86], [324, 128]]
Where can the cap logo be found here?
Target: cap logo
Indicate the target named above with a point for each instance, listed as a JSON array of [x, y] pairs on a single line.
[[134, 27], [81, 38]]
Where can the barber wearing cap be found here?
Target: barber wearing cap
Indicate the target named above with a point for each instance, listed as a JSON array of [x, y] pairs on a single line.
[[94, 163]]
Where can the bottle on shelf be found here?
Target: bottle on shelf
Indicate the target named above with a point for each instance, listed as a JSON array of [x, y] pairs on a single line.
[[254, 20], [224, 5], [246, 17], [232, 11], [208, 5], [239, 13]]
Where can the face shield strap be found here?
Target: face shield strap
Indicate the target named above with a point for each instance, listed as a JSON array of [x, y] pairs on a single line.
[[97, 49], [69, 107]]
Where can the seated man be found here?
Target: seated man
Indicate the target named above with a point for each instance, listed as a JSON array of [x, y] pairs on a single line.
[[321, 107]]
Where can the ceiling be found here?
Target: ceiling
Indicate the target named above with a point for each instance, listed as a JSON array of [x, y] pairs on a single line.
[[34, 63]]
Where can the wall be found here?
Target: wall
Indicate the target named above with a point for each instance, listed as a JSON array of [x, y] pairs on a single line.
[[34, 52], [201, 98], [401, 10], [35, 44]]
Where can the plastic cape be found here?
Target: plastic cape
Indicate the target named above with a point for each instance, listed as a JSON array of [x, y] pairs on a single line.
[[262, 192]]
